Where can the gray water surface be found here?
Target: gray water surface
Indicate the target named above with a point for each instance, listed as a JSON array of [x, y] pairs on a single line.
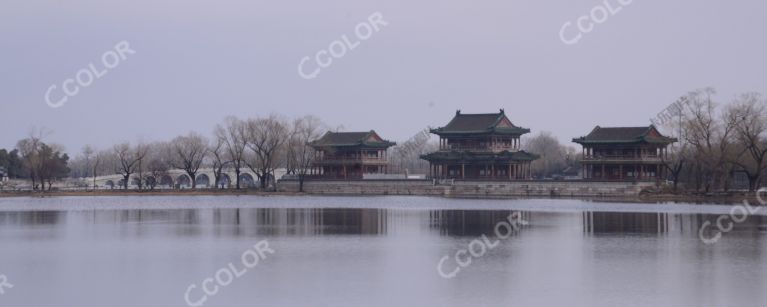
[[374, 251]]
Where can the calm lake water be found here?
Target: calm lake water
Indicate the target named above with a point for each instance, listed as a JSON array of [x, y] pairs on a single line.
[[373, 251]]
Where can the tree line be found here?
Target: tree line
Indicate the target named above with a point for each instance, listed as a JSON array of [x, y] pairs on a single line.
[[717, 140], [260, 144]]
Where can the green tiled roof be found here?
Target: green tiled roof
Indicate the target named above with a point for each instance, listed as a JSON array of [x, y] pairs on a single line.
[[344, 139], [485, 123], [624, 135]]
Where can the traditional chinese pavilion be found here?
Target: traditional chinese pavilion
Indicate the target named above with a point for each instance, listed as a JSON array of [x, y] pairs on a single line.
[[349, 155], [480, 146], [624, 153]]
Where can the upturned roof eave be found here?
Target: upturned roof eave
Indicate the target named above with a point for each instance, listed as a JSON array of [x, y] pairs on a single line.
[[513, 131], [635, 141]]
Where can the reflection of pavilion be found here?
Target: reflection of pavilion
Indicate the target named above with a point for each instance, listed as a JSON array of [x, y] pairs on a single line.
[[471, 222], [304, 221], [625, 222]]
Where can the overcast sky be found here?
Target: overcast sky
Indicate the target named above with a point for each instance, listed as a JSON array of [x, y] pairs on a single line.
[[199, 61]]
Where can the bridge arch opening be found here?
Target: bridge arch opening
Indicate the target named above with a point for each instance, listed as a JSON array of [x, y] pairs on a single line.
[[183, 181], [202, 181], [247, 181], [166, 181]]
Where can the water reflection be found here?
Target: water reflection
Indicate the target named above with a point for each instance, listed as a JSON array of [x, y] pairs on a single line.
[[31, 218], [625, 223], [471, 222], [241, 221], [380, 257], [630, 223], [357, 221]]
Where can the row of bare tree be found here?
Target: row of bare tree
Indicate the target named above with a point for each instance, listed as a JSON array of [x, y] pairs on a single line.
[[717, 140], [259, 144]]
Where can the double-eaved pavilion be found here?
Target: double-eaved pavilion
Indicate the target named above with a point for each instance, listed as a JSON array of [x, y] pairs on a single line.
[[350, 155], [624, 153], [480, 146]]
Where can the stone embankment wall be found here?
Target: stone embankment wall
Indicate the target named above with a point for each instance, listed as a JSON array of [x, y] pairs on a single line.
[[469, 188]]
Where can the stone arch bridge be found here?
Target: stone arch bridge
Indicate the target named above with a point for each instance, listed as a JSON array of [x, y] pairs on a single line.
[[179, 179]]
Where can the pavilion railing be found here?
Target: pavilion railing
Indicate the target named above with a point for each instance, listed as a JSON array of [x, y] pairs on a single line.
[[623, 157]]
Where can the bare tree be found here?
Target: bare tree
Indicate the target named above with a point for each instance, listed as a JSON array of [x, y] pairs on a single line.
[[190, 152], [677, 156], [405, 157], [300, 155], [234, 136], [128, 159], [158, 163], [29, 151], [91, 162], [142, 150], [709, 134], [53, 164], [553, 155], [219, 159], [749, 115], [266, 137]]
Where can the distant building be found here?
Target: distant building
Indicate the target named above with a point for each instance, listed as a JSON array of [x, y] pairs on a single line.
[[350, 155], [480, 146], [3, 174], [624, 153]]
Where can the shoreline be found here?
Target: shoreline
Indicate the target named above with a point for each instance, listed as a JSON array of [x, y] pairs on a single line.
[[642, 198]]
